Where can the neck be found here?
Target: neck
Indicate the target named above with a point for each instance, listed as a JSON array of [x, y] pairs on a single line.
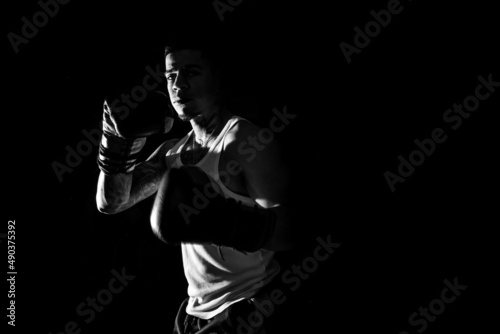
[[206, 124]]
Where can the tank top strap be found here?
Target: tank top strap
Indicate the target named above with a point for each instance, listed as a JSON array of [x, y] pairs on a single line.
[[210, 163], [216, 148]]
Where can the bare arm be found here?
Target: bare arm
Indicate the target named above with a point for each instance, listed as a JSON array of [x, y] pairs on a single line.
[[266, 180], [116, 193]]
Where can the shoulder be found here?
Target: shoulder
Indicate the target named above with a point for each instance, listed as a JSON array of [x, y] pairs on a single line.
[[249, 143], [241, 131], [163, 149], [171, 143], [168, 145]]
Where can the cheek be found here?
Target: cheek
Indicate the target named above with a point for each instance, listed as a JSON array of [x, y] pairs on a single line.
[[209, 88], [170, 91]]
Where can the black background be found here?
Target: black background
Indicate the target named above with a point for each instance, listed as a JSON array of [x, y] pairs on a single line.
[[353, 121]]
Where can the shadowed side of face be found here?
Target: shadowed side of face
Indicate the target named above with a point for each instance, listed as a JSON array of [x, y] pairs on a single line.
[[191, 82]]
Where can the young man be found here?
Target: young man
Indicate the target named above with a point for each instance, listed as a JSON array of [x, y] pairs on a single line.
[[227, 210]]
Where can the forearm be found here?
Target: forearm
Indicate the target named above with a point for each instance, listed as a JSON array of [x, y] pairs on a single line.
[[158, 216], [118, 192], [177, 218], [283, 237], [167, 221], [123, 182], [113, 192]]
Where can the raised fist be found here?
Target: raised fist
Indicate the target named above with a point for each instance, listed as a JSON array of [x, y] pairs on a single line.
[[151, 116]]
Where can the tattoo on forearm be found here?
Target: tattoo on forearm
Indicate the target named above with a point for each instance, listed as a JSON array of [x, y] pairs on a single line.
[[145, 181]]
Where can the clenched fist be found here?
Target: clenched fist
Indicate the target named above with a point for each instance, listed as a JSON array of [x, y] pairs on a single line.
[[125, 131], [151, 116]]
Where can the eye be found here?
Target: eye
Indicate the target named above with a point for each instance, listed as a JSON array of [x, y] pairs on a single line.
[[170, 77]]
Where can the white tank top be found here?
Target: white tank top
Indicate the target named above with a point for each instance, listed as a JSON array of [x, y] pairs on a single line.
[[220, 276]]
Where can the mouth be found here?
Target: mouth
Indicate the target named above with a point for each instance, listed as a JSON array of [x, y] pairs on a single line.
[[183, 100]]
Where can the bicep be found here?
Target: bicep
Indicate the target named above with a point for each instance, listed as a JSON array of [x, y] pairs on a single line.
[[265, 173], [266, 177], [267, 181]]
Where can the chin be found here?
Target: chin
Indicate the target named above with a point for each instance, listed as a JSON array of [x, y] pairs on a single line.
[[184, 118], [187, 114]]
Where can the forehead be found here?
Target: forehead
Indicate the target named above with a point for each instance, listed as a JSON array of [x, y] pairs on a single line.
[[183, 58]]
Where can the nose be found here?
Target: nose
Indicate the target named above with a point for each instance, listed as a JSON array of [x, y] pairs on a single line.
[[180, 83]]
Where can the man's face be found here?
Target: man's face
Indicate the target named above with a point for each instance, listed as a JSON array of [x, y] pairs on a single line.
[[192, 85]]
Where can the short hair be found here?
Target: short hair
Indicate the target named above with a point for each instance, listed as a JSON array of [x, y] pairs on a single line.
[[211, 49]]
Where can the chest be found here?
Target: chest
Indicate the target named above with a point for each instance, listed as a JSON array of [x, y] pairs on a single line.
[[230, 173]]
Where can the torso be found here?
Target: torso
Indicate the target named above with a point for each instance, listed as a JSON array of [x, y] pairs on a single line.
[[219, 276], [192, 155]]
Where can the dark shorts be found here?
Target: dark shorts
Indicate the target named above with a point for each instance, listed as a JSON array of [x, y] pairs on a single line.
[[240, 318]]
